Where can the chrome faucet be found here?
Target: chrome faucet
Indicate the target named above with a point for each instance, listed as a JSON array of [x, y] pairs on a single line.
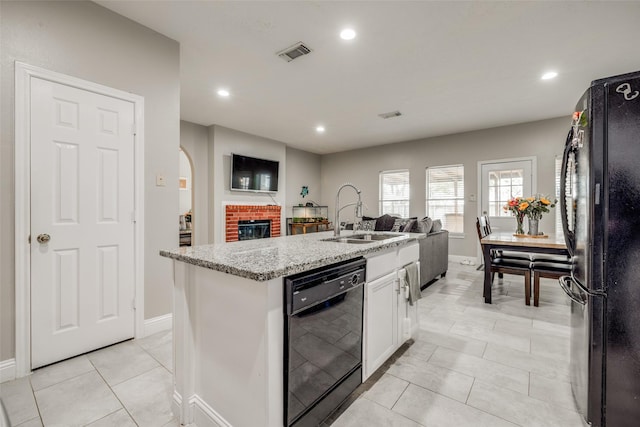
[[336, 226]]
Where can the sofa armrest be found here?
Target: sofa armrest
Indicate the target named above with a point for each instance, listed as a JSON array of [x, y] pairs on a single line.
[[434, 256]]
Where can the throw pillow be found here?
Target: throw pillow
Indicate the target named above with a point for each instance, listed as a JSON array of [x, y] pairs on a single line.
[[384, 223], [368, 225], [400, 224], [410, 225], [437, 226], [424, 225]]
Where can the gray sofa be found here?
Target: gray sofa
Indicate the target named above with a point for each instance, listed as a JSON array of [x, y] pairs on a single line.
[[434, 248], [434, 256]]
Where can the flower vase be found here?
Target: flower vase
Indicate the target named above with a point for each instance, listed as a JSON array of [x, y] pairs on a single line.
[[519, 225], [533, 227]]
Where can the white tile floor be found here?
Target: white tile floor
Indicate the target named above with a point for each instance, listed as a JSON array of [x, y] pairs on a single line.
[[475, 364], [128, 384], [472, 364]]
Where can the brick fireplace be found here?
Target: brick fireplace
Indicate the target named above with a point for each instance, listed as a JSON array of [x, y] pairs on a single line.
[[235, 213]]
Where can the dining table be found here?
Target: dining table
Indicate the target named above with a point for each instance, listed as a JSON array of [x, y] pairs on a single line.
[[507, 240]]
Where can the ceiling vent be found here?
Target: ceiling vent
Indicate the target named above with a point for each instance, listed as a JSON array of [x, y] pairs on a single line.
[[390, 115], [293, 52]]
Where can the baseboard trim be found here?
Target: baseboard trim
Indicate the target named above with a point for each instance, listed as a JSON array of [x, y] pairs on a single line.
[[7, 370], [176, 404], [205, 416], [158, 324]]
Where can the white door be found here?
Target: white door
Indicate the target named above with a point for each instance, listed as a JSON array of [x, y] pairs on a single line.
[[82, 197], [500, 181]]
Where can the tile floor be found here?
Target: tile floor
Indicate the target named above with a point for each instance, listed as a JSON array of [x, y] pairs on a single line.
[[472, 364], [128, 384]]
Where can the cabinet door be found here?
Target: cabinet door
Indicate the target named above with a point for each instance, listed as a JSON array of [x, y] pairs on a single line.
[[381, 326]]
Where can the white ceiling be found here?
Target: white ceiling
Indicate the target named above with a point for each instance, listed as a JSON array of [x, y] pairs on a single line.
[[449, 67]]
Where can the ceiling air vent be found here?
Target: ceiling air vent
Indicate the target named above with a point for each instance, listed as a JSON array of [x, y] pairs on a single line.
[[293, 52], [390, 115]]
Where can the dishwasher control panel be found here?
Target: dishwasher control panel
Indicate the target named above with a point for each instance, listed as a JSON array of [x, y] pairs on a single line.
[[302, 291]]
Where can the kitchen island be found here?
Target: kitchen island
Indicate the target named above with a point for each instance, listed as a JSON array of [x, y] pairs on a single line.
[[228, 320]]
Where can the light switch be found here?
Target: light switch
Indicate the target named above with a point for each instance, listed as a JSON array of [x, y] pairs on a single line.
[[160, 181], [472, 197]]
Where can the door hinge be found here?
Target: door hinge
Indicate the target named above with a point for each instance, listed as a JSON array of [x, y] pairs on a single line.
[[134, 129], [133, 304], [134, 219], [29, 239]]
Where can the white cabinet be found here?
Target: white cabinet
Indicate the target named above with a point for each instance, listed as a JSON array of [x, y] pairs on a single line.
[[389, 318], [381, 329]]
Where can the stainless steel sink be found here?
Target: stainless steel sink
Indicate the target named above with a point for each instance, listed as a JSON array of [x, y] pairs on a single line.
[[349, 240], [362, 238]]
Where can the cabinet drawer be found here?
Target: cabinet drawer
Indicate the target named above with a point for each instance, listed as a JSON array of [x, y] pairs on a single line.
[[381, 264], [408, 253]]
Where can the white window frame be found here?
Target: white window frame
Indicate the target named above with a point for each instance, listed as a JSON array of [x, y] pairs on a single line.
[[459, 197], [401, 200]]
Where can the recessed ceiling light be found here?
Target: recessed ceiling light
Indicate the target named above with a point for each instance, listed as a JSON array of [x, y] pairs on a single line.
[[347, 34], [320, 129], [549, 75], [223, 93]]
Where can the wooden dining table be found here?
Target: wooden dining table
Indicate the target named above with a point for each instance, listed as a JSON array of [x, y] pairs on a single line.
[[506, 240]]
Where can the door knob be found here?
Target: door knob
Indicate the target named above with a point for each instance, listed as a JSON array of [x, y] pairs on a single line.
[[43, 238]]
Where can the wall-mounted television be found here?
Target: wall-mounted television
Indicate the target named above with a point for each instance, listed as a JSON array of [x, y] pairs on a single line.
[[252, 174]]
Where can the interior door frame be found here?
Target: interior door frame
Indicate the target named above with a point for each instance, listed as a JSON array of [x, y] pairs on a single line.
[[534, 184], [22, 167]]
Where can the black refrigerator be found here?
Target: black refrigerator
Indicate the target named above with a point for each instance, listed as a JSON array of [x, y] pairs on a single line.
[[600, 202]]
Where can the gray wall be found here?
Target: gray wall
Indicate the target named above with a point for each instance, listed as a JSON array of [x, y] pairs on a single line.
[[85, 40], [222, 142], [303, 168], [542, 139], [194, 140], [209, 149]]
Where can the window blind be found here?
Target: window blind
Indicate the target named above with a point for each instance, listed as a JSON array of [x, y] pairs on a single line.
[[445, 196], [559, 231], [394, 193]]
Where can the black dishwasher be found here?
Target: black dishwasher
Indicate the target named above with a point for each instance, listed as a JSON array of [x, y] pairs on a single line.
[[323, 340]]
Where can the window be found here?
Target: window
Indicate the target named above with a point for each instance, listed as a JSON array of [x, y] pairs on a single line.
[[559, 230], [445, 196], [394, 193], [503, 185]]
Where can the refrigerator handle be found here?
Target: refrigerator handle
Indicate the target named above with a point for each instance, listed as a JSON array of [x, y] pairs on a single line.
[[569, 237], [564, 280]]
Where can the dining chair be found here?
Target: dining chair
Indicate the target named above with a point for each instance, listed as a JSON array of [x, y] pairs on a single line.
[[504, 265], [486, 226], [547, 270], [533, 256]]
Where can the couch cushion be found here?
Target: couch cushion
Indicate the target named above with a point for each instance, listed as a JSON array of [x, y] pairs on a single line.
[[424, 225], [437, 225], [384, 223]]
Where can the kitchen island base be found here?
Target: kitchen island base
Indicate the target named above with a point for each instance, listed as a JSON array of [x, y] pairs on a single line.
[[228, 342], [229, 321]]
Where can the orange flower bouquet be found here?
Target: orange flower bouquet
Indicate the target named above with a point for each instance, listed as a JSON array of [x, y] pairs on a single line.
[[537, 205], [518, 207]]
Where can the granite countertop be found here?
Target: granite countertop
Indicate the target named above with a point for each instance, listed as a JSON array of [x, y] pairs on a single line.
[[266, 259]]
